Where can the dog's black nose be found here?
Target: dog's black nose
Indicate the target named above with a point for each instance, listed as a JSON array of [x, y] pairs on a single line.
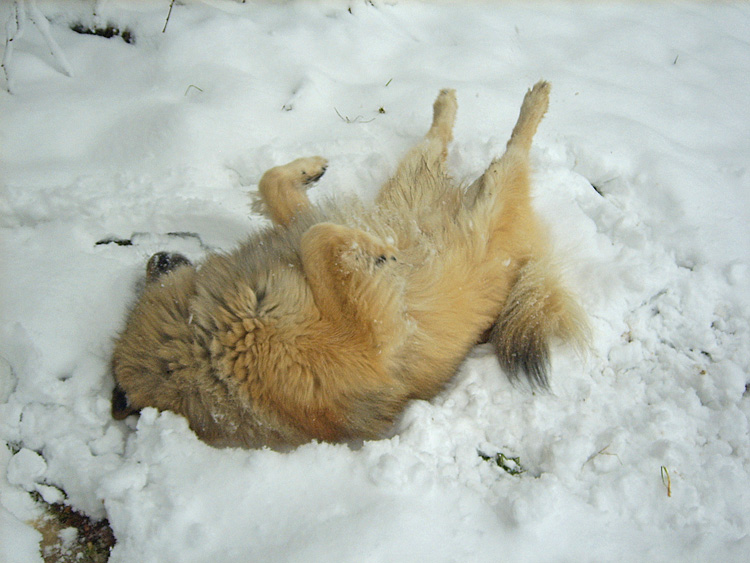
[[120, 405]]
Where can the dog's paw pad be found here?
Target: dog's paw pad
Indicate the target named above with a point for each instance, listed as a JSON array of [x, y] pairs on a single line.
[[383, 259]]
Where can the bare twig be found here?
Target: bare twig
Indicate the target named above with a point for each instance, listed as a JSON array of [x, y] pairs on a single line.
[[358, 119], [192, 86], [14, 29], [603, 451], [168, 14], [40, 21]]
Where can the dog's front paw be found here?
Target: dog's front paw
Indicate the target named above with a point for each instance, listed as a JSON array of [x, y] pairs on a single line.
[[310, 169], [348, 248], [367, 248]]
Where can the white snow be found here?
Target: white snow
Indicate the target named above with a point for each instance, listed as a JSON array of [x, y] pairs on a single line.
[[650, 104]]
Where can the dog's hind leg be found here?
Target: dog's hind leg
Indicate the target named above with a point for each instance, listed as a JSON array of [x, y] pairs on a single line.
[[425, 160], [538, 308], [510, 173], [282, 188]]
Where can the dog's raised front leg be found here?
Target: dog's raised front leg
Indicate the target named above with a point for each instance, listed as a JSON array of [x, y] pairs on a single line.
[[282, 188], [343, 267]]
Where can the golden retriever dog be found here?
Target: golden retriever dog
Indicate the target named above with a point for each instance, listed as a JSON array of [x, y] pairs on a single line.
[[327, 323]]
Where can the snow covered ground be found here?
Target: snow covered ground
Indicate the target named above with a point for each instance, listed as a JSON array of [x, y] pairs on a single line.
[[640, 452]]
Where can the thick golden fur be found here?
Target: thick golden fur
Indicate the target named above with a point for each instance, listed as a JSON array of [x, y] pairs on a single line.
[[326, 324]]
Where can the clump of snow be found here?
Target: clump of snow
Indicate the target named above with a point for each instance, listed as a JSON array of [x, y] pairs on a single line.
[[640, 171]]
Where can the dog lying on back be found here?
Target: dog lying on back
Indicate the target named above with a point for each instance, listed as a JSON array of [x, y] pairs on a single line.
[[325, 325]]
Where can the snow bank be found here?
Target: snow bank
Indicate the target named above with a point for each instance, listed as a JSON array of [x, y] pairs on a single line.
[[641, 450]]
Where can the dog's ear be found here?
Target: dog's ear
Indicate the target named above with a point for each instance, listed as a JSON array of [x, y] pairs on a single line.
[[121, 408], [162, 263]]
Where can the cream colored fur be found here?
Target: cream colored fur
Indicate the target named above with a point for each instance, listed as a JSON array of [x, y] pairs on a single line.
[[325, 325]]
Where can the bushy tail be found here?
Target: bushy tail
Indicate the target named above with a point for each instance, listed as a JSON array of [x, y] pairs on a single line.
[[538, 310]]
